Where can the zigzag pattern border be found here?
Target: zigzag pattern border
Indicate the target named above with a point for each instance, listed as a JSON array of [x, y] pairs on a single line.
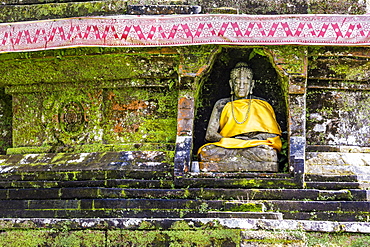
[[176, 30]]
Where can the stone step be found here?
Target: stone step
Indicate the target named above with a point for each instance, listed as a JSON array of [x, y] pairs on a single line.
[[328, 178], [172, 208], [238, 175], [243, 195], [322, 210], [336, 178], [317, 206], [148, 160], [119, 204], [133, 208], [121, 183], [81, 175], [336, 185], [188, 204], [157, 181], [149, 214], [328, 216], [258, 182]]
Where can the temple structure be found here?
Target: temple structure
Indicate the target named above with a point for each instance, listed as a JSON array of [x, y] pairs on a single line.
[[103, 106]]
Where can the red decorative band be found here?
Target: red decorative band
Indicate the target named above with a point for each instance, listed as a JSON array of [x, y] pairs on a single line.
[[179, 30]]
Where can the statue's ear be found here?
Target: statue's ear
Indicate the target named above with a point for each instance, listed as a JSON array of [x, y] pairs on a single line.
[[251, 87], [231, 86]]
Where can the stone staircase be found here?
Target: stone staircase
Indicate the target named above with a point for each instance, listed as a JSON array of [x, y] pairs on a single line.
[[148, 190]]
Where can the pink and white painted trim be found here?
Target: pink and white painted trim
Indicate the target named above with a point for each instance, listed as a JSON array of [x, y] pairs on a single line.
[[179, 30]]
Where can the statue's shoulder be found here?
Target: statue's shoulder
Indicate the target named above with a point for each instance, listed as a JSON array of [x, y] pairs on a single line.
[[259, 98], [262, 99], [222, 102]]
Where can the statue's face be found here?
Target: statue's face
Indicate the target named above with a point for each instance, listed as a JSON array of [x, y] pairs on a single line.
[[242, 82]]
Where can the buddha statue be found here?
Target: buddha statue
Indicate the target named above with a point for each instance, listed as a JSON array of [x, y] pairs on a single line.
[[242, 129]]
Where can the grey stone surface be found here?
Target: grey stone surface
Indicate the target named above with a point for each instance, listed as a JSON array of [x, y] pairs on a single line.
[[151, 160], [261, 158], [162, 223], [340, 164], [272, 238]]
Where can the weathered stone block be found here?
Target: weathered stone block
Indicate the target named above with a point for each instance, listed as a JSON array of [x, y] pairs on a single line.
[[185, 127], [339, 159], [237, 182], [19, 194], [338, 118], [238, 167], [218, 159], [297, 115], [339, 68], [274, 239]]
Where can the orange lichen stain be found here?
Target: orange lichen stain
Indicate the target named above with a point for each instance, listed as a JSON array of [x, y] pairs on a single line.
[[200, 71], [111, 95], [55, 118], [96, 95], [118, 128], [133, 106]]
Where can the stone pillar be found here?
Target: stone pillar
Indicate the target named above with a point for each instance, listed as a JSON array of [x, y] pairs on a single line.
[[184, 140], [297, 133], [194, 65]]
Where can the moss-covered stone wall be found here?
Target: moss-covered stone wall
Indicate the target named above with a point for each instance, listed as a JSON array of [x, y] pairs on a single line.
[[92, 96], [5, 121], [338, 98], [102, 99]]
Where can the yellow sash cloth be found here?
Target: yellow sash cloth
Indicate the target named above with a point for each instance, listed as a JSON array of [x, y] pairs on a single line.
[[261, 118], [274, 142]]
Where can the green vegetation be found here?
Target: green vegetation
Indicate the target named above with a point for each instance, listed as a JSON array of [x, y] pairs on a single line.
[[316, 239], [14, 13], [181, 234]]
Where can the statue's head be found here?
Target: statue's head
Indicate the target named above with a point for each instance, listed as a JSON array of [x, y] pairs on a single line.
[[241, 81]]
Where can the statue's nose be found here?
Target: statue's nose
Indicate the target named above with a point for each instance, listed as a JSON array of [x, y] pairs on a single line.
[[242, 84]]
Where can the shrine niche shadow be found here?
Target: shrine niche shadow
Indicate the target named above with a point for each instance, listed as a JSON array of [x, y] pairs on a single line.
[[268, 86]]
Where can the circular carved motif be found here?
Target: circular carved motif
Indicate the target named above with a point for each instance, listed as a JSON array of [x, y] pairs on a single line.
[[71, 117]]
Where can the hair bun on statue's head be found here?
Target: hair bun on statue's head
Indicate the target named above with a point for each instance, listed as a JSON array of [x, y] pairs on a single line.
[[241, 65], [238, 67]]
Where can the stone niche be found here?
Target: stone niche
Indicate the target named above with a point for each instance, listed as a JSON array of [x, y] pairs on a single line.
[[268, 85]]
